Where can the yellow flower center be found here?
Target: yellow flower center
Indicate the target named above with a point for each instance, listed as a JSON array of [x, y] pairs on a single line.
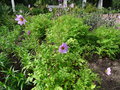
[[21, 19]]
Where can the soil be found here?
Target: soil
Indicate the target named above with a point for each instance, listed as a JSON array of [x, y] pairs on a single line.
[[111, 82]]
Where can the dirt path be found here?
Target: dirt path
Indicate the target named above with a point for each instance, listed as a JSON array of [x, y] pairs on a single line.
[[111, 82]]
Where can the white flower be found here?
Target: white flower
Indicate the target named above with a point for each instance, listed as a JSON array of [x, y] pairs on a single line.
[[50, 9], [29, 5], [108, 71], [60, 5], [21, 11], [72, 5]]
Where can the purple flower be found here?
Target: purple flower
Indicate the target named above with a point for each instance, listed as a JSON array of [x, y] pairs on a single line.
[[29, 32], [63, 48], [108, 71], [20, 19]]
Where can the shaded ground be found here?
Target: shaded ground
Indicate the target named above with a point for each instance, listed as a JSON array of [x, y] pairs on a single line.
[[111, 82]]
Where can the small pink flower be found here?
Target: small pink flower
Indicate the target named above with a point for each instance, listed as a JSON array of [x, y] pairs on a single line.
[[20, 19], [63, 48], [108, 71]]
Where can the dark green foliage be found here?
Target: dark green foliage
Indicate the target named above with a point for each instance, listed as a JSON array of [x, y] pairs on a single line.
[[4, 61], [21, 9], [5, 19], [90, 8], [14, 79], [116, 4]]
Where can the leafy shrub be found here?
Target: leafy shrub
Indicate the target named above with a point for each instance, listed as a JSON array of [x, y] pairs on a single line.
[[9, 37], [70, 27], [90, 8], [37, 26], [27, 45], [5, 18], [52, 70], [74, 32], [20, 8], [95, 20], [4, 61], [108, 42], [43, 64], [116, 4], [11, 77], [14, 79]]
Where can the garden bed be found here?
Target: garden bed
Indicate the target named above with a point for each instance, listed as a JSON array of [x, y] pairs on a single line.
[[61, 50]]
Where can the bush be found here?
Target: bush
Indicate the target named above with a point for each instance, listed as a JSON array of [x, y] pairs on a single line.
[[90, 8], [37, 52], [20, 8], [70, 28], [108, 42], [116, 4], [53, 70], [37, 25], [5, 18], [8, 38]]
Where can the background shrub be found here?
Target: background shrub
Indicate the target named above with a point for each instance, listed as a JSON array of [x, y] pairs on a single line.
[[116, 4]]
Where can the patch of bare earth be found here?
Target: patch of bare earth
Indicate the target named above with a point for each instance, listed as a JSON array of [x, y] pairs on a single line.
[[111, 82]]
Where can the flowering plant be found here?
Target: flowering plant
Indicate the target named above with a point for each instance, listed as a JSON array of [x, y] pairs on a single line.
[[21, 20]]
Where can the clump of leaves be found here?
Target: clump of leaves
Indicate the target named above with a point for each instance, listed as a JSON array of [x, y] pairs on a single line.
[[55, 70], [108, 42]]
